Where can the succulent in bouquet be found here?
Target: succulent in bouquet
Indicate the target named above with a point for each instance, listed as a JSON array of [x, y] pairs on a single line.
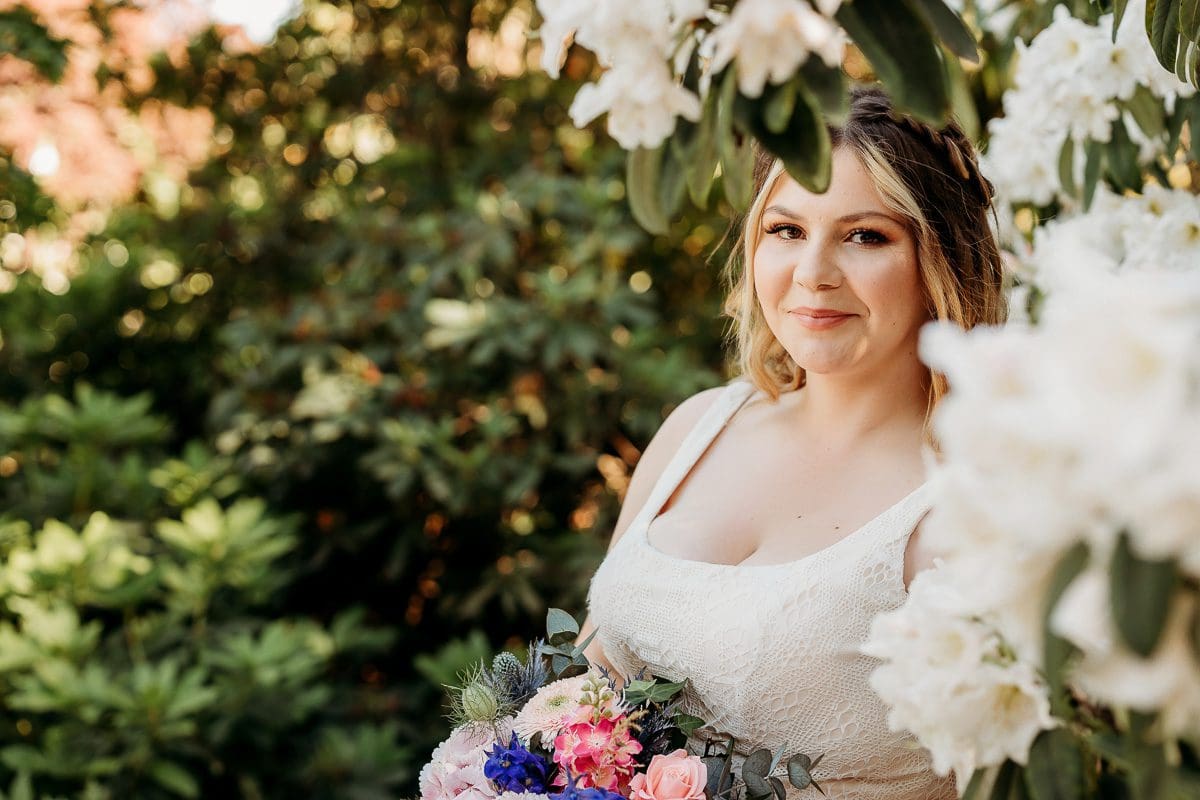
[[555, 726]]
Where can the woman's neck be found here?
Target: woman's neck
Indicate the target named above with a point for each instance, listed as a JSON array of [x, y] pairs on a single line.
[[842, 411]]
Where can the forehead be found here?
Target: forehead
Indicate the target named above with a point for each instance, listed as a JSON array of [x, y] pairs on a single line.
[[851, 189]]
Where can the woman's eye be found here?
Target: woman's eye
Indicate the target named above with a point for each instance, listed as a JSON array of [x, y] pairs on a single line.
[[785, 231], [864, 236]]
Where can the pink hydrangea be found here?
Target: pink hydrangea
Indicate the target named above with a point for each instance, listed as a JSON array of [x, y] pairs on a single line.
[[455, 770]]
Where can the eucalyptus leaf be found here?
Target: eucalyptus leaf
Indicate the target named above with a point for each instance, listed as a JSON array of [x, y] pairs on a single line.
[[1141, 591], [778, 787], [757, 763], [798, 767], [559, 621], [902, 53], [577, 651], [948, 26], [1055, 768]]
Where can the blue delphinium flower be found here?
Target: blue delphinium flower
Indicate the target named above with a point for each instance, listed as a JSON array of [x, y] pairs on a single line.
[[514, 769], [573, 792]]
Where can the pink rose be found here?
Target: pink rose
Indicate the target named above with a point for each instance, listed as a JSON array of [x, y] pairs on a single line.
[[675, 776]]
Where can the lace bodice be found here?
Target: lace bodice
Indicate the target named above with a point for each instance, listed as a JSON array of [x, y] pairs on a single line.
[[771, 651]]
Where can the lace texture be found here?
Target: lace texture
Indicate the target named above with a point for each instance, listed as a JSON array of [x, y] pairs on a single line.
[[771, 651]]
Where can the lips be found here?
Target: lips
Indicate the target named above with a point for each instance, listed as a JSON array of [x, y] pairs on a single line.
[[819, 319]]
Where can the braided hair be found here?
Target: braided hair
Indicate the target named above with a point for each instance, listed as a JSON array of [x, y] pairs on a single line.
[[931, 177]]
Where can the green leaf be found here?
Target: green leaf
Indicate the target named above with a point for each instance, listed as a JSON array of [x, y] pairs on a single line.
[[1055, 769], [798, 767], [1189, 20], [778, 105], [804, 146], [736, 150], [1194, 632], [757, 763], [1162, 25], [687, 723], [948, 26], [1094, 152], [643, 175], [903, 54], [1118, 15], [702, 157], [826, 85], [1141, 595], [559, 621], [1057, 649], [1007, 779], [1066, 167], [778, 787], [23, 36], [672, 181], [1147, 111], [174, 778], [974, 786], [1122, 156]]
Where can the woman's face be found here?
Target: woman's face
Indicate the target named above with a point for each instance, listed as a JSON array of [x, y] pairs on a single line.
[[836, 274]]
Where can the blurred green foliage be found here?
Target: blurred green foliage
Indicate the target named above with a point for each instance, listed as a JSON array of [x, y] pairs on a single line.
[[309, 434]]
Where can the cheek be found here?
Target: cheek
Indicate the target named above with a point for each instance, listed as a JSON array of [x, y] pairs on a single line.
[[771, 278]]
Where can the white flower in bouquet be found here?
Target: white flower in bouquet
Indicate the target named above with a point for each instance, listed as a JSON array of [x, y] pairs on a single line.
[[548, 710], [455, 770], [771, 39]]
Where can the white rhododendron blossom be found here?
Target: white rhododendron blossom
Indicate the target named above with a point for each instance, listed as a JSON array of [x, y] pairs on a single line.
[[770, 39], [642, 103], [950, 680], [1068, 83], [1071, 431], [1157, 230], [645, 48]]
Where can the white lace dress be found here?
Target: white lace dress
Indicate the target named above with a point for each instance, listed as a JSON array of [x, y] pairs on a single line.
[[771, 650]]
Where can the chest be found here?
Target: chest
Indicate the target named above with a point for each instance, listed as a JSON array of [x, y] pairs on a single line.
[[752, 506]]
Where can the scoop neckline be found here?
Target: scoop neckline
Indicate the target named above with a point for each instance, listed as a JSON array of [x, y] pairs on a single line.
[[643, 535]]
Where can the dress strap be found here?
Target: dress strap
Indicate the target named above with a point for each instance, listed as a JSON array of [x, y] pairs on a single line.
[[714, 420]]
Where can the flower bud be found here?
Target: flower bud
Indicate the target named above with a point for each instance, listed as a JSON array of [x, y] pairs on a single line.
[[479, 703]]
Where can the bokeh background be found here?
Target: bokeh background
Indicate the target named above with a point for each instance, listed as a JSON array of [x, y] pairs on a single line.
[[325, 358]]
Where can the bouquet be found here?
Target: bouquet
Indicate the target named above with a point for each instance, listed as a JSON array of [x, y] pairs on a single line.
[[554, 727]]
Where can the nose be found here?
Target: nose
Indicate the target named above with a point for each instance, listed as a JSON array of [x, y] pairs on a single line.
[[816, 267]]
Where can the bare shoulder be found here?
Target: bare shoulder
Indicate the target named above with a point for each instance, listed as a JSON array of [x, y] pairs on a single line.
[[917, 557], [659, 451]]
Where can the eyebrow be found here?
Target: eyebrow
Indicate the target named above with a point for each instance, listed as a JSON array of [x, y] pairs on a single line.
[[855, 217]]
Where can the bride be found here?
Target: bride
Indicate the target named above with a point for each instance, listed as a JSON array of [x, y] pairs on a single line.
[[772, 518]]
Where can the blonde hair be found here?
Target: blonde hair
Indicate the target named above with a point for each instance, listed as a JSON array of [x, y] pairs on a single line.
[[927, 176]]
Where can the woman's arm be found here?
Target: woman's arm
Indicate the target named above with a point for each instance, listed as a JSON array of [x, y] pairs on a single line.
[[916, 557], [645, 475]]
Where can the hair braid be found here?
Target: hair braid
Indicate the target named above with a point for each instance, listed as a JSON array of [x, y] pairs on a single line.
[[953, 142]]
